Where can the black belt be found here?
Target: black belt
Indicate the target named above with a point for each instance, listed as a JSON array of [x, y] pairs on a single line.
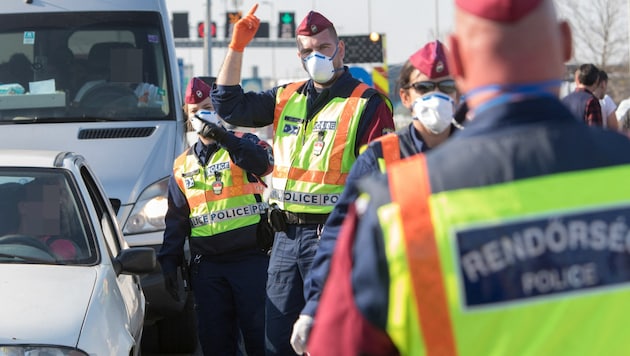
[[304, 218]]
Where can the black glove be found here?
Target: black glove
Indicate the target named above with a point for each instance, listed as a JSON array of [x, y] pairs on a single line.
[[171, 285], [213, 131], [264, 235]]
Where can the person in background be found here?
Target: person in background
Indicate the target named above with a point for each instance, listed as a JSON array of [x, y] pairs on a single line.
[[319, 126], [214, 201], [583, 102], [606, 102], [624, 120], [623, 115], [428, 91], [492, 242]]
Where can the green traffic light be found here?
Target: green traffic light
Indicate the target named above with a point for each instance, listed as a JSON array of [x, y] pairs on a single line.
[[286, 17]]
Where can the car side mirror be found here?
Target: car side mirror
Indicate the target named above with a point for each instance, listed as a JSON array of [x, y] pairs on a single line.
[[135, 260], [115, 204]]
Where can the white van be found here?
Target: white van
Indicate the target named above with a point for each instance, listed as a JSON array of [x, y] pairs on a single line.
[[100, 77]]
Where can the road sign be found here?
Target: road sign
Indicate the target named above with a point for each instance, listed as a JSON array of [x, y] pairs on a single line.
[[361, 74], [381, 81], [362, 49]]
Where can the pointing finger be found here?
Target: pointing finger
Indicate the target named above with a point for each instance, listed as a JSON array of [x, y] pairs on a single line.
[[253, 9]]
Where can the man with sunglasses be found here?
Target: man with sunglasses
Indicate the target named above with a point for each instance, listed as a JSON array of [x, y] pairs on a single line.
[[319, 126], [428, 90]]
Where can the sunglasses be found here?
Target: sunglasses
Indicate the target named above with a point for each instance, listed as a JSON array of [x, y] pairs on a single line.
[[446, 86]]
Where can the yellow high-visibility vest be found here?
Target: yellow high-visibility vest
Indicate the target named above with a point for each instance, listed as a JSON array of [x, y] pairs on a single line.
[[537, 266], [219, 195]]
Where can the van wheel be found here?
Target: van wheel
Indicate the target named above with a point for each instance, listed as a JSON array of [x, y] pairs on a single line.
[[178, 334]]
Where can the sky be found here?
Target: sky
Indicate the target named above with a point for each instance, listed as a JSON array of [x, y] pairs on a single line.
[[407, 24]]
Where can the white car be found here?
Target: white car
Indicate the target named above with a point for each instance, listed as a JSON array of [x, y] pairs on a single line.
[[69, 283]]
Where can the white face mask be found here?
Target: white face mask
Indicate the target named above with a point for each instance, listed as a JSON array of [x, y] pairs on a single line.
[[196, 121], [435, 111], [319, 67]]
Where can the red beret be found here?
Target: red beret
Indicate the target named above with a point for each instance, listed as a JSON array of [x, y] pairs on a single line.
[[196, 91], [498, 10], [431, 60], [313, 24]]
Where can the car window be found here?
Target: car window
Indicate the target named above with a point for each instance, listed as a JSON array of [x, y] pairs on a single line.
[[108, 222], [42, 219]]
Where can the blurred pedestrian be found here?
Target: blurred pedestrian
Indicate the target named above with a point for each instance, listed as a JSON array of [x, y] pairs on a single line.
[[428, 91], [606, 102], [623, 115], [214, 201], [503, 235], [583, 102], [319, 126]]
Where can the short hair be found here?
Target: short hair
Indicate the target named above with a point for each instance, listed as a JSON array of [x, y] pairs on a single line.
[[603, 76], [587, 74]]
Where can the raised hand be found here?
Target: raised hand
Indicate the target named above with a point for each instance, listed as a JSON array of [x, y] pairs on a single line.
[[244, 30]]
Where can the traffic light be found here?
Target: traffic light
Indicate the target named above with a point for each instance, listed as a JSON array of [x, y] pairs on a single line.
[[230, 19], [286, 26], [201, 29], [363, 48], [180, 25], [263, 30]]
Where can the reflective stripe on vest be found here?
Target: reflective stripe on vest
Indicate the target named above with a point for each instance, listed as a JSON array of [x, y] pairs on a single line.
[[313, 158], [534, 266], [218, 202], [421, 251], [391, 150]]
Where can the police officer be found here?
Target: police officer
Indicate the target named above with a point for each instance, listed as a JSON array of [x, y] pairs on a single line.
[[319, 126], [197, 97], [214, 200], [502, 239], [427, 89]]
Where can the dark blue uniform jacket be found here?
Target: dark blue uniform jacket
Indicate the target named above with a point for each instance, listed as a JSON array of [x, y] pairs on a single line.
[[504, 143]]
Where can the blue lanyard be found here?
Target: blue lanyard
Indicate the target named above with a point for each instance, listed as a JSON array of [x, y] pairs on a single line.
[[512, 93]]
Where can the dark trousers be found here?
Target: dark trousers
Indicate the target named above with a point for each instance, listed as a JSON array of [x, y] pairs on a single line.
[[291, 258], [230, 295]]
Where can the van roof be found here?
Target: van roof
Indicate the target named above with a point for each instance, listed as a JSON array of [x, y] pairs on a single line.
[[22, 6]]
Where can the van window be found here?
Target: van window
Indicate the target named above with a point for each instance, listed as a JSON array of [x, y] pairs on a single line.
[[62, 67]]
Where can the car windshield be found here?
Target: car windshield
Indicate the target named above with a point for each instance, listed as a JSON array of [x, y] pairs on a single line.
[[42, 219], [92, 66]]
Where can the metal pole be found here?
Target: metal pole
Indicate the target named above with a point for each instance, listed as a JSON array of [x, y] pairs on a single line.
[[437, 20], [369, 9], [207, 40], [273, 47]]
